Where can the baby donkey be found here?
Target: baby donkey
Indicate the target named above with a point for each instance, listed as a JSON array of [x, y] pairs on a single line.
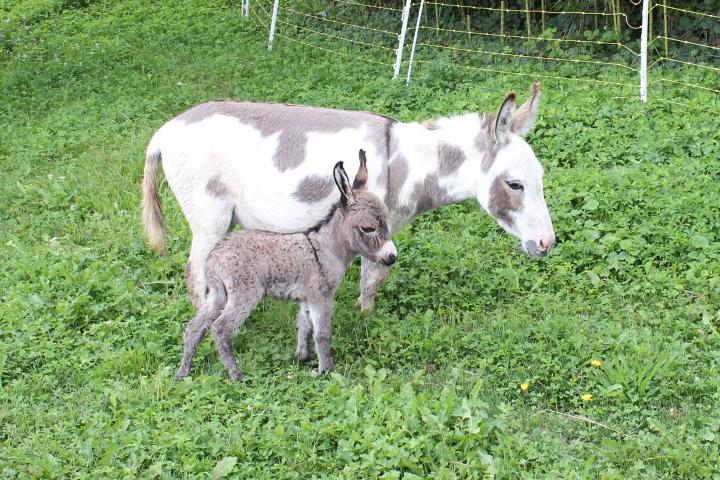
[[305, 267]]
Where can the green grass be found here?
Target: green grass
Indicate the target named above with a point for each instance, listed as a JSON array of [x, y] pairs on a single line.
[[428, 385]]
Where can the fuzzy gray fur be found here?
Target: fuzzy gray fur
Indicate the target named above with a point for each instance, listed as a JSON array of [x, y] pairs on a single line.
[[303, 267]]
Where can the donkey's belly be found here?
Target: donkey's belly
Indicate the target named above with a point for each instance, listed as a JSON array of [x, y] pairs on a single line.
[[287, 291], [280, 213]]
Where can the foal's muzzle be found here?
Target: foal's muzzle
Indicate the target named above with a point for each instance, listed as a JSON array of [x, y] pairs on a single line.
[[389, 260], [387, 254]]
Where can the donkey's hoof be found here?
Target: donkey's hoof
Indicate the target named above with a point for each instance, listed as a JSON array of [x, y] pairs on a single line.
[[302, 356], [236, 376], [365, 304], [324, 368], [181, 375]]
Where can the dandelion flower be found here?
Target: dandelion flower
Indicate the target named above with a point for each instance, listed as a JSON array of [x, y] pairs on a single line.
[[524, 386], [587, 397], [595, 363]]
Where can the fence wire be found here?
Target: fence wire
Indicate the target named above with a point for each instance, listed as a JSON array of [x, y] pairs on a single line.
[[489, 39], [691, 66], [335, 29], [596, 43]]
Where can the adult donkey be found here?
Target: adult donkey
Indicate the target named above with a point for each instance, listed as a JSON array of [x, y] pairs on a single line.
[[266, 166]]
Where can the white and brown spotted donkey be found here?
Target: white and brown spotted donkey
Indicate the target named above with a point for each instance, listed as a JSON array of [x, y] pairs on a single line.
[[267, 166], [305, 267]]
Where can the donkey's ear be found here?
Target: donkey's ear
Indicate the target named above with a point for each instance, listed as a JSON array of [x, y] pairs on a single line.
[[524, 119], [343, 183], [504, 118], [360, 182]]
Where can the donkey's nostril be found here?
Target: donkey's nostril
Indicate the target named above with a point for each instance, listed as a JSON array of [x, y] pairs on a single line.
[[390, 259], [547, 243]]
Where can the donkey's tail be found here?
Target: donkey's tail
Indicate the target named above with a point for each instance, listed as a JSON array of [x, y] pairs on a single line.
[[152, 213]]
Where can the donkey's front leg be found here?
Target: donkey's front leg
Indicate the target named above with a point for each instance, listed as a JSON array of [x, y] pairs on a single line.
[[321, 318], [372, 276], [304, 329]]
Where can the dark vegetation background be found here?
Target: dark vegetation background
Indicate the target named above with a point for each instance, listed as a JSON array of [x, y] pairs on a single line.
[[428, 386]]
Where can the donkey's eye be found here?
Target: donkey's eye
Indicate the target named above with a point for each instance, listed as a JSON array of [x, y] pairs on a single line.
[[367, 229], [515, 185]]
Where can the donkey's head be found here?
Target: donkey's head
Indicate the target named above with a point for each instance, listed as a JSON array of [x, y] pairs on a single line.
[[365, 216], [512, 186]]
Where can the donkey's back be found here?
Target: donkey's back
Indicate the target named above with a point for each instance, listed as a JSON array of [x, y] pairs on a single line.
[[289, 148]]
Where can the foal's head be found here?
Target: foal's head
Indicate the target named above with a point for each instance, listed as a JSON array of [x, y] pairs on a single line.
[[365, 216]]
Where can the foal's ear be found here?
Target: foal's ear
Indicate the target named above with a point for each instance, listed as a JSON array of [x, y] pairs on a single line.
[[343, 183], [504, 118], [360, 182], [524, 119]]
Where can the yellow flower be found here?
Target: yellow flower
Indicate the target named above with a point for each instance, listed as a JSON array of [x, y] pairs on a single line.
[[524, 386], [595, 363], [587, 397]]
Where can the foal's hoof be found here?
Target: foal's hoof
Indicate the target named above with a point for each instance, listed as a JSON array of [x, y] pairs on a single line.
[[325, 369], [236, 376], [365, 304], [303, 356], [180, 376]]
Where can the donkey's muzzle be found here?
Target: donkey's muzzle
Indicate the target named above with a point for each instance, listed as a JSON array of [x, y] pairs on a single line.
[[387, 254], [389, 260], [539, 250]]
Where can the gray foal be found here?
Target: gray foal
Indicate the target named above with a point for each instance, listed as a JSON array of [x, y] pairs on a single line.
[[305, 267]]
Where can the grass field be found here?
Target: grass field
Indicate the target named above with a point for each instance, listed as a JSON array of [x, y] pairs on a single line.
[[427, 386]]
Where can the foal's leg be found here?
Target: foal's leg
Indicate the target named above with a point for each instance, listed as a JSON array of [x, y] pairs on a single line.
[[304, 329], [321, 318], [194, 334], [372, 276], [209, 224], [223, 329]]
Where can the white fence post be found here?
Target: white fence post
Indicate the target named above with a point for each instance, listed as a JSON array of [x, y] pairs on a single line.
[[415, 37], [643, 51], [246, 8], [276, 6], [401, 38]]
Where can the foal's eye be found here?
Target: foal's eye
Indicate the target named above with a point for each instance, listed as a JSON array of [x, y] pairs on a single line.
[[367, 229], [515, 185]]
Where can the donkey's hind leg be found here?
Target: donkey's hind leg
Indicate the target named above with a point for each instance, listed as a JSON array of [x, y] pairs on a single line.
[[223, 329], [194, 334], [210, 218]]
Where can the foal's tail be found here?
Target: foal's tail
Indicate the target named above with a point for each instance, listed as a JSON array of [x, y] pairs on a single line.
[[152, 213], [217, 291]]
